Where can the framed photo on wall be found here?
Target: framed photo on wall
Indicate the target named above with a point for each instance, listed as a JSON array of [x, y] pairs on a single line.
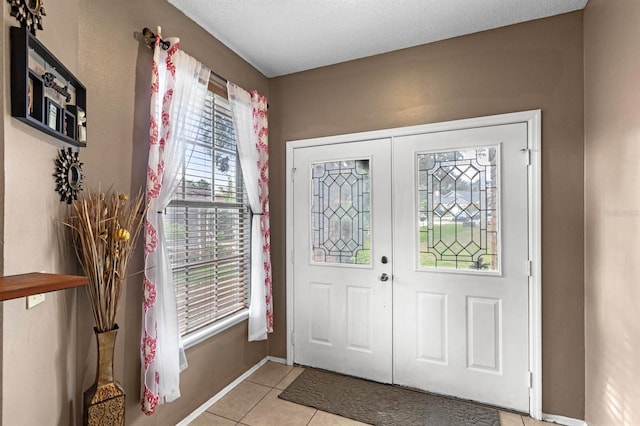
[[44, 91], [69, 125], [35, 95], [53, 114]]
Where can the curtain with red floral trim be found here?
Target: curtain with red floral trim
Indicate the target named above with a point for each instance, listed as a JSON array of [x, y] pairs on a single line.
[[249, 111], [178, 89]]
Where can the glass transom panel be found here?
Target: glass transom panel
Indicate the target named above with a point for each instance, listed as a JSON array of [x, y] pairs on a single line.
[[341, 212], [458, 215]]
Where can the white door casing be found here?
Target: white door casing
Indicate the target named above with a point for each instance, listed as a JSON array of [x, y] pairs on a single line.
[[342, 215], [480, 307]]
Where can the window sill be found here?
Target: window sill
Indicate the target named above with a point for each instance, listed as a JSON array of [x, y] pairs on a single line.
[[215, 328]]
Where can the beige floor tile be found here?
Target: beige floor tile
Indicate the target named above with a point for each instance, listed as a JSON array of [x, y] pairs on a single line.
[[270, 374], [510, 419], [528, 421], [239, 401], [208, 419], [290, 377], [322, 418], [273, 411]]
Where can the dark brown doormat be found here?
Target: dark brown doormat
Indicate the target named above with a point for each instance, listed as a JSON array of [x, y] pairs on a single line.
[[380, 404]]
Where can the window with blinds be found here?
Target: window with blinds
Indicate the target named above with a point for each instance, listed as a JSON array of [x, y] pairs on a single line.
[[207, 225]]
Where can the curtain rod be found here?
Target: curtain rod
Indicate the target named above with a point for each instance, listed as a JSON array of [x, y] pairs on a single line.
[[150, 40]]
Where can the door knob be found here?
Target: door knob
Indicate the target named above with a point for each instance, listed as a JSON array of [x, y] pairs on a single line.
[[384, 277]]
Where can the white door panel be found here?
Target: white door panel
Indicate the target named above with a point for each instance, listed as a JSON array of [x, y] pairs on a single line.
[[461, 316], [342, 309]]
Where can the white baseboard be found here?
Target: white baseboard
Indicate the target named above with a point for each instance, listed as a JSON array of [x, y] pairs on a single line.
[[198, 411], [567, 421], [276, 359]]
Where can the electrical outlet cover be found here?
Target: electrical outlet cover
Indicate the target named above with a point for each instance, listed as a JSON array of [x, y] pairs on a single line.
[[34, 300]]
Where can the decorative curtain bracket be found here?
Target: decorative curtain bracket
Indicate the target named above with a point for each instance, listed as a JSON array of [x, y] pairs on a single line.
[[150, 39]]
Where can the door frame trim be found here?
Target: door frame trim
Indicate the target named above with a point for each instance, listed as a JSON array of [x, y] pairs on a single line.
[[533, 119]]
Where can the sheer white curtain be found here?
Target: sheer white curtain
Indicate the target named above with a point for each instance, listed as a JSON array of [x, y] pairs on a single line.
[[178, 90], [249, 111]]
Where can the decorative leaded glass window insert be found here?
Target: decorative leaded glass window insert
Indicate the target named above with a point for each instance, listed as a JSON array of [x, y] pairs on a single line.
[[340, 212], [458, 215]]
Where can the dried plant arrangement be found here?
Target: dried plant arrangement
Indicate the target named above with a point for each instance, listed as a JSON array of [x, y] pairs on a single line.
[[104, 228]]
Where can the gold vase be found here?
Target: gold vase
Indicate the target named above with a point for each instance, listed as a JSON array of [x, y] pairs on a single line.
[[104, 401]]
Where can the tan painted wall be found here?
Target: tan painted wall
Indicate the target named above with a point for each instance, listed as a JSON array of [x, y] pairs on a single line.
[[533, 65], [38, 345], [612, 222], [49, 352], [528, 66]]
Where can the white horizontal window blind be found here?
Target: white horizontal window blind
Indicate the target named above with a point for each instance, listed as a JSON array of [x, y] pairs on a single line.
[[207, 225]]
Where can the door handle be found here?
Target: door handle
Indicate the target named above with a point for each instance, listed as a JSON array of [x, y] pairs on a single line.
[[384, 277]]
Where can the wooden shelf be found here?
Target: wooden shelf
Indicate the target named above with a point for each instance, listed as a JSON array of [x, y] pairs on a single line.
[[14, 286]]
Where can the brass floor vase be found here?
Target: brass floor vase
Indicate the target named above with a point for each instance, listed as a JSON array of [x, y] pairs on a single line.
[[104, 402]]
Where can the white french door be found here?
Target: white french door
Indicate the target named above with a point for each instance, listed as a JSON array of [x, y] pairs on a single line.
[[460, 281], [410, 261], [342, 228]]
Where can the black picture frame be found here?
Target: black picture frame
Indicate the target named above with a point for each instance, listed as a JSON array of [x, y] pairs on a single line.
[[52, 114], [69, 124], [80, 117], [35, 96], [28, 94]]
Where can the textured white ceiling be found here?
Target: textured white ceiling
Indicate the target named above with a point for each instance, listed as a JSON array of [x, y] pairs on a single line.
[[280, 37]]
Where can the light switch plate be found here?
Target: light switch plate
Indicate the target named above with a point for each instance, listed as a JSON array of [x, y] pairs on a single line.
[[34, 300]]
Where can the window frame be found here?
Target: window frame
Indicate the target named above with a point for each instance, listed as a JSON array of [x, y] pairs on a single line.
[[192, 338]]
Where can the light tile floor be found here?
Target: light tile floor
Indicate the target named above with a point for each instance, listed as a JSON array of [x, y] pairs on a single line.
[[255, 402]]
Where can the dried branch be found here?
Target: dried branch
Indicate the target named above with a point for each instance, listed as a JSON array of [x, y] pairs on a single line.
[[104, 228]]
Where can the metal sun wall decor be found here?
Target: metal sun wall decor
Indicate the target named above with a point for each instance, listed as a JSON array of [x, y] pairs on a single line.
[[68, 175], [29, 13]]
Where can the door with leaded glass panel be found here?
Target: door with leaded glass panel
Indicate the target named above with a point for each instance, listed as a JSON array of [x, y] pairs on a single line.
[[460, 264], [342, 258]]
